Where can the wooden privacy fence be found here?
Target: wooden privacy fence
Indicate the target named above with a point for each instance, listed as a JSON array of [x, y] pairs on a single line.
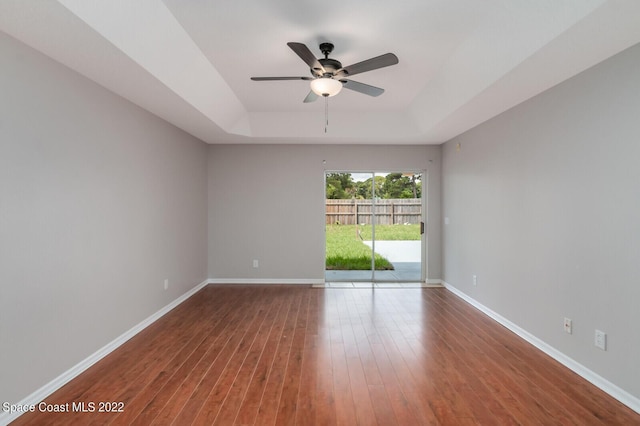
[[387, 212]]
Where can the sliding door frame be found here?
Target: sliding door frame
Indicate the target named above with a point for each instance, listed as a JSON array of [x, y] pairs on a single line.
[[423, 209]]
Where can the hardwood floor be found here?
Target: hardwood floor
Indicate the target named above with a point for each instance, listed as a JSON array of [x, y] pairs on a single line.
[[289, 355]]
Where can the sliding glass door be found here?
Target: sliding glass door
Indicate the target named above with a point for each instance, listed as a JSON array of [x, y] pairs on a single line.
[[373, 224]]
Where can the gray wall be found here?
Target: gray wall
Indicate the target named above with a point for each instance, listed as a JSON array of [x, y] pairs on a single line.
[[251, 216], [99, 203], [544, 207]]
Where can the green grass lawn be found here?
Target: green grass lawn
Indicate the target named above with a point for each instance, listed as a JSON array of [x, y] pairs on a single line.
[[346, 251], [389, 232]]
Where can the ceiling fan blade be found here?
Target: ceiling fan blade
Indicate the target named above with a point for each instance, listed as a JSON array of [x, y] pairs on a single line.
[[369, 65], [279, 78], [361, 87], [307, 56], [311, 97]]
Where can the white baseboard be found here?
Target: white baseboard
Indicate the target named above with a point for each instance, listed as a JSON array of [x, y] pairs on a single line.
[[73, 372], [620, 394], [305, 281]]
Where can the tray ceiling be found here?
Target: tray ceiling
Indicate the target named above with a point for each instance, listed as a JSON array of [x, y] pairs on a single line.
[[189, 62]]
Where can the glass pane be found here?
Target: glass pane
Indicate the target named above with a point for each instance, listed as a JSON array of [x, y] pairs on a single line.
[[347, 217], [396, 238]]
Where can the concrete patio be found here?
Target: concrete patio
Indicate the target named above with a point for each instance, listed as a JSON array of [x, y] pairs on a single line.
[[404, 255]]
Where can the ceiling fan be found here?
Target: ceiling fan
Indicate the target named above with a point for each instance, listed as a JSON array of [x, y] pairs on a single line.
[[328, 76]]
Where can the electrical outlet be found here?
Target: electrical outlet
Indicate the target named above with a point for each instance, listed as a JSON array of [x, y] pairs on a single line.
[[475, 280], [601, 340], [256, 263], [568, 327], [166, 283]]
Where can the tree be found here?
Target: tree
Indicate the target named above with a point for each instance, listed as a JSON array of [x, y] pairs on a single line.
[[364, 190], [340, 186], [392, 185], [416, 185], [398, 185]]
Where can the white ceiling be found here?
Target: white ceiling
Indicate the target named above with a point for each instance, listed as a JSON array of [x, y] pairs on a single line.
[[190, 61]]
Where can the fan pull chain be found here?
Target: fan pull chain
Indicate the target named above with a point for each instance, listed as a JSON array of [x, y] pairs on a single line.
[[326, 113]]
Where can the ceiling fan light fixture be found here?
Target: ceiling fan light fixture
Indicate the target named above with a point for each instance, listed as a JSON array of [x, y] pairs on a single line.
[[326, 86]]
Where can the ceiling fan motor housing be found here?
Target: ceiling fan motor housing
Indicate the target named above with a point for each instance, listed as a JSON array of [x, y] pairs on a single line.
[[331, 66]]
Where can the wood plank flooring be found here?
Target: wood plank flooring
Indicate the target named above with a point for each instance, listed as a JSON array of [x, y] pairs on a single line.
[[295, 355]]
